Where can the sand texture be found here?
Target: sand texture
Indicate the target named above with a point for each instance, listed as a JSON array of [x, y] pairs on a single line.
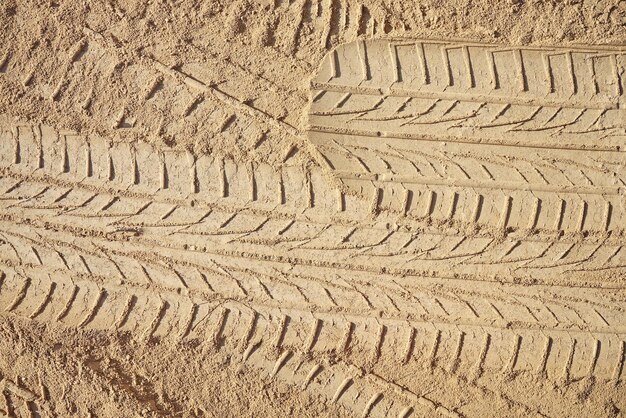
[[313, 208]]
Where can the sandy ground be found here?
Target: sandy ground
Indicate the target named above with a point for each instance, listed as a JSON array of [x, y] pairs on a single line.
[[313, 208]]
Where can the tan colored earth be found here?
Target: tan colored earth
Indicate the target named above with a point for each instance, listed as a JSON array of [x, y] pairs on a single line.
[[313, 208]]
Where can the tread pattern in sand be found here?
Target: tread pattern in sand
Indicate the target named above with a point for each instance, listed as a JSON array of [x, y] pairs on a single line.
[[470, 219], [526, 138], [158, 101], [116, 242]]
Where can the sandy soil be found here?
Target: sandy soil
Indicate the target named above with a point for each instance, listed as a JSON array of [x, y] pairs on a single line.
[[313, 208]]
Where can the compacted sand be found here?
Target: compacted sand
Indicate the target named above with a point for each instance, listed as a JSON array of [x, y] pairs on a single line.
[[313, 208]]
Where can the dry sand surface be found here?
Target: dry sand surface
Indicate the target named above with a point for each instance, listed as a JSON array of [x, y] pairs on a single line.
[[313, 208]]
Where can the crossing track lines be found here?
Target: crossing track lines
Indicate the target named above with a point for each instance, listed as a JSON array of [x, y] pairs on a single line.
[[454, 123]]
